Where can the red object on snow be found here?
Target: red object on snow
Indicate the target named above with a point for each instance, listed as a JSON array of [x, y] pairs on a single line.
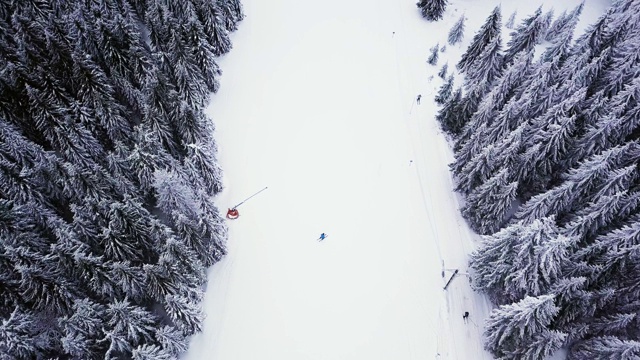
[[232, 214]]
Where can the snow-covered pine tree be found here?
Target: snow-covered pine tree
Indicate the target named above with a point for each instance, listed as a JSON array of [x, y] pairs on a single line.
[[521, 330], [232, 12], [511, 20], [82, 330], [211, 17], [432, 10], [443, 71], [563, 21], [204, 56], [502, 155], [150, 352], [456, 34], [448, 116], [127, 326], [489, 30], [578, 183], [444, 93], [493, 102], [549, 139], [528, 34], [561, 39], [23, 336], [488, 65], [622, 69], [614, 127], [487, 205], [605, 347], [185, 313], [433, 55], [172, 340]]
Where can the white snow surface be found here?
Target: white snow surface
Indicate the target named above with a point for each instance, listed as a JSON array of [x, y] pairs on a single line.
[[318, 103]]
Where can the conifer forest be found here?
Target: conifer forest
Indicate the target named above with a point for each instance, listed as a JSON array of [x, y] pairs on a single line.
[[546, 151], [107, 172]]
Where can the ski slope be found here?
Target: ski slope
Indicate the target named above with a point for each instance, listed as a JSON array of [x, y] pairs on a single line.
[[318, 103]]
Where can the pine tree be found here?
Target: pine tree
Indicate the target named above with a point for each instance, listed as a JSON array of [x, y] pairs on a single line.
[[232, 12], [488, 65], [606, 347], [211, 17], [445, 91], [184, 313], [563, 22], [487, 206], [448, 116], [433, 56], [481, 39], [150, 352], [511, 20], [520, 331], [172, 340], [456, 33], [578, 183], [82, 329], [432, 10], [504, 89], [530, 33], [22, 336], [561, 35], [443, 71]]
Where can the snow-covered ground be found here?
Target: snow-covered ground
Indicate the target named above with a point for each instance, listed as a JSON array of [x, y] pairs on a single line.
[[317, 103]]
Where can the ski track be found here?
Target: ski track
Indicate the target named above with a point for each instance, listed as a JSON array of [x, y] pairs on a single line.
[[317, 102]]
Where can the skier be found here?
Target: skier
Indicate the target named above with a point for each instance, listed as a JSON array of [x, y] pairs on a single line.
[[322, 237], [418, 99], [465, 316]]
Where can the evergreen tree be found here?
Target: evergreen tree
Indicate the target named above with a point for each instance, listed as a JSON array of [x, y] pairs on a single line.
[[578, 183], [487, 206], [511, 20], [563, 22], [433, 55], [150, 352], [212, 19], [606, 347], [443, 71], [561, 35], [520, 331], [530, 33], [487, 66], [23, 337], [481, 39], [493, 102], [171, 340], [456, 33], [448, 116], [232, 12], [432, 10], [445, 91]]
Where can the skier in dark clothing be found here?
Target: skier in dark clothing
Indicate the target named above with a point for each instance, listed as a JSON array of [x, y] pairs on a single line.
[[418, 99], [322, 237], [465, 316]]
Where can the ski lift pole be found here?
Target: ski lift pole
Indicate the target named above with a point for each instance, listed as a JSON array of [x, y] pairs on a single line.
[[243, 201]]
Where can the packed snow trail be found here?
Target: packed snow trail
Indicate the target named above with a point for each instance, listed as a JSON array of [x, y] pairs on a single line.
[[317, 104], [310, 108]]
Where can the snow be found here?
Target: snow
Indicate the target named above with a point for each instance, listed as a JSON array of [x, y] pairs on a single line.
[[317, 103]]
